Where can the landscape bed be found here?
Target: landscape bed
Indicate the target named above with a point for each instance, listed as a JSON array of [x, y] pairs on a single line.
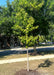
[[38, 65]]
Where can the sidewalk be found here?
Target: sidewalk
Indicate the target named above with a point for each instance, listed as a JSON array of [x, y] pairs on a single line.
[[25, 59], [23, 48]]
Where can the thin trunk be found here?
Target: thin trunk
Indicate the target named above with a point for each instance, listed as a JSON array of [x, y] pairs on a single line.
[[27, 60], [12, 42], [27, 51]]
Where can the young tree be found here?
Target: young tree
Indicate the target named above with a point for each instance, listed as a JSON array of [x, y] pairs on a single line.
[[29, 19]]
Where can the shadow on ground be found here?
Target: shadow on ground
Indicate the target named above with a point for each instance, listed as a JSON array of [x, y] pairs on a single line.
[[10, 52], [47, 63], [43, 51]]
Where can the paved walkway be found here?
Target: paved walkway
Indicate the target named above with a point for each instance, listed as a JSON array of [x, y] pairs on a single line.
[[25, 59], [21, 48]]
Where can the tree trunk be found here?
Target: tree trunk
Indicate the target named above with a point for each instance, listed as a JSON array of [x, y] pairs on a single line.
[[27, 61], [12, 42], [35, 52]]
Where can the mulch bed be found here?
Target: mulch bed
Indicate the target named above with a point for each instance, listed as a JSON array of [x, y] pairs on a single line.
[[33, 54], [25, 72]]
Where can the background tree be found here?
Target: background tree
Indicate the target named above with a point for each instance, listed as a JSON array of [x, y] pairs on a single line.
[[6, 19]]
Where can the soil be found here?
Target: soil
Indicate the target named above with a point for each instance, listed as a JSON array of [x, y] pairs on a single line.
[[33, 54], [25, 72]]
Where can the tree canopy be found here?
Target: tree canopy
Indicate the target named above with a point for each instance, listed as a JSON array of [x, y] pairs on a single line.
[[33, 16]]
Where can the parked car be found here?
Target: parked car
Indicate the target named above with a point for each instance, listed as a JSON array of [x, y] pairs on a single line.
[[42, 43], [49, 43]]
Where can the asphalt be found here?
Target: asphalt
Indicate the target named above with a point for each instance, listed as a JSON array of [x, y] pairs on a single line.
[[24, 50]]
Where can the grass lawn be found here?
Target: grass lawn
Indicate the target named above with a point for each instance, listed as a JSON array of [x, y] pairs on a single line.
[[10, 69], [12, 56]]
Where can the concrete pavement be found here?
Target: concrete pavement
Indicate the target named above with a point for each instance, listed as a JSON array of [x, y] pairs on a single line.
[[25, 59]]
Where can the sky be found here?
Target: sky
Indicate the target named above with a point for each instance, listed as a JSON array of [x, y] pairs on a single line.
[[3, 2]]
